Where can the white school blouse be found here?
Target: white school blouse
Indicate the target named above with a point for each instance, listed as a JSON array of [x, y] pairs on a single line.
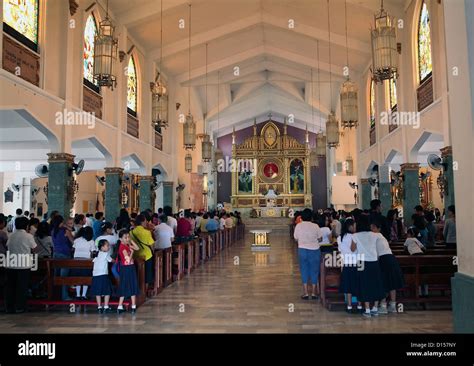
[[83, 248], [366, 245], [101, 264], [344, 245], [382, 245]]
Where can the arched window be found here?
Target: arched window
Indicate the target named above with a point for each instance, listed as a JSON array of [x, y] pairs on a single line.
[[424, 44], [372, 112], [392, 90], [90, 31], [132, 87], [20, 18]]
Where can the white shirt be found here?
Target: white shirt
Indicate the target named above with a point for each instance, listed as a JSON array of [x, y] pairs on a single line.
[[112, 239], [414, 246], [83, 248], [348, 256], [366, 246], [19, 245], [163, 235], [198, 221], [326, 232], [382, 245], [221, 223], [336, 226], [307, 234], [101, 264], [172, 223]]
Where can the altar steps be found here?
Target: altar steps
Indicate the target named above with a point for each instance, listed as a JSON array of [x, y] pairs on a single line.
[[272, 223]]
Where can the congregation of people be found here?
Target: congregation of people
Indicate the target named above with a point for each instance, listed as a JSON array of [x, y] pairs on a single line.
[[112, 246], [370, 273]]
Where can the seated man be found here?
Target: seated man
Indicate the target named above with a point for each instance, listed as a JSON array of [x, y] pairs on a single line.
[[164, 235], [212, 225]]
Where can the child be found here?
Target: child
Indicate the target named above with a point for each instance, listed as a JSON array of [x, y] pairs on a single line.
[[83, 247], [370, 286], [128, 285], [107, 233], [100, 277], [349, 270], [412, 244], [392, 275]]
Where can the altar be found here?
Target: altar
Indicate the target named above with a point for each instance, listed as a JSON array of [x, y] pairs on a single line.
[[272, 172], [271, 211]]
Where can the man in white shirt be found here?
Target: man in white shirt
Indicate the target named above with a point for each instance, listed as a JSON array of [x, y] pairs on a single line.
[[164, 234], [171, 221], [20, 245]]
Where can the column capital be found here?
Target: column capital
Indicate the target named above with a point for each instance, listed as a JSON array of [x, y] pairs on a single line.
[[113, 170], [167, 184], [447, 150], [364, 180], [146, 178], [409, 166], [60, 158]]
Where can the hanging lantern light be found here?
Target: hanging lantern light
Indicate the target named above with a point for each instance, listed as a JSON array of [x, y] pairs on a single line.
[[332, 131], [313, 158], [349, 165], [206, 148], [320, 144], [384, 47], [188, 163], [189, 133], [205, 184], [159, 95], [349, 107], [159, 104], [105, 54]]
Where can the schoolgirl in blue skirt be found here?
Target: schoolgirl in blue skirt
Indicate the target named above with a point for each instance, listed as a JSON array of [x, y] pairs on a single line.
[[128, 285], [349, 284], [392, 275], [370, 286], [101, 285]]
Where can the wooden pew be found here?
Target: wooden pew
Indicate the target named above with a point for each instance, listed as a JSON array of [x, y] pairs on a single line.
[[54, 280], [329, 281], [178, 261], [159, 273], [167, 266]]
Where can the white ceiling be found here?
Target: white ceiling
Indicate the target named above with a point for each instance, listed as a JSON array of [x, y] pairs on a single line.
[[255, 36]]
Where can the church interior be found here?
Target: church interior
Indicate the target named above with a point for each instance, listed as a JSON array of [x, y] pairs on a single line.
[[213, 147]]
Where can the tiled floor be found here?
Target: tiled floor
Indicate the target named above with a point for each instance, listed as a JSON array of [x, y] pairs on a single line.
[[239, 291]]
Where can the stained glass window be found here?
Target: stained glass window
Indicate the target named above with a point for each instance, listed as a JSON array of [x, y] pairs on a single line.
[[21, 16], [392, 86], [424, 44], [372, 105], [132, 86], [90, 31]]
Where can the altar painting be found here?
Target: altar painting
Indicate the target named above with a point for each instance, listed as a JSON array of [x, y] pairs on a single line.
[[296, 176]]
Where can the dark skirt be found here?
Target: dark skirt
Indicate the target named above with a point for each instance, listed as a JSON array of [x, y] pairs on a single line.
[[370, 285], [128, 285], [349, 280], [101, 286], [392, 275], [80, 272]]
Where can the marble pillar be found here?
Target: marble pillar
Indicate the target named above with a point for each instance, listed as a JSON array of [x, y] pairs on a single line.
[[145, 195], [113, 192], [385, 194], [447, 155], [411, 189], [61, 184], [366, 192], [168, 194]]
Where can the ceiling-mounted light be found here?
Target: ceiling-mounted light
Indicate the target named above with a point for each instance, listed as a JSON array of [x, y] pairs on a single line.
[[188, 163], [105, 53], [332, 125], [384, 47], [189, 127]]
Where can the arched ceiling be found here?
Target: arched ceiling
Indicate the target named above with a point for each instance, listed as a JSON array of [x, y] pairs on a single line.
[[255, 36]]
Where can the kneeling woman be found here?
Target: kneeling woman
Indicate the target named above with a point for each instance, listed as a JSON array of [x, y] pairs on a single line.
[[370, 286]]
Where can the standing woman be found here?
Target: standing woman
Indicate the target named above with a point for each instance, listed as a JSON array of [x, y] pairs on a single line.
[[62, 238], [369, 275], [143, 238], [308, 235]]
